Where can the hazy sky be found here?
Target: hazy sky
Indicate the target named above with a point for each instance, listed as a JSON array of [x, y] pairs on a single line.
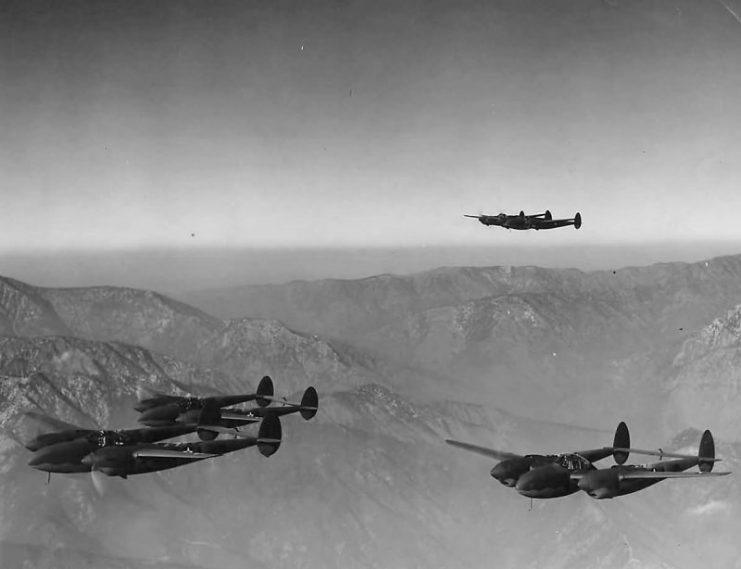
[[205, 124]]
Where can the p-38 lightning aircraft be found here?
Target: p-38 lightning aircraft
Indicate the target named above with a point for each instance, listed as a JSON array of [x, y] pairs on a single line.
[[537, 221], [214, 420], [158, 409], [63, 449], [136, 451], [143, 458], [552, 476]]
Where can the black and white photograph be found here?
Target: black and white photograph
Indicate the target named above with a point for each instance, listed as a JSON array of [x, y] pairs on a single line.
[[354, 284]]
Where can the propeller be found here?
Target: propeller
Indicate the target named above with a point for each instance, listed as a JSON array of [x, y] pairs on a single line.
[[99, 481]]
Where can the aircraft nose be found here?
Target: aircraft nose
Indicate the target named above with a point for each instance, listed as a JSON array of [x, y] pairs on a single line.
[[502, 474], [46, 455], [36, 460], [545, 482]]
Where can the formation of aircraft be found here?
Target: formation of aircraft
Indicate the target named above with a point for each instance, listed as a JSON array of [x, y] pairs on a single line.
[[556, 475], [521, 221], [67, 448]]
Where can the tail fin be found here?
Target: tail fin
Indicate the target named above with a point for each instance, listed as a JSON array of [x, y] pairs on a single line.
[[309, 403], [269, 435], [265, 391], [621, 443], [706, 454], [210, 415]]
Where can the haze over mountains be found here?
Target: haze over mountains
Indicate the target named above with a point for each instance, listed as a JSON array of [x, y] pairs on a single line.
[[209, 268], [519, 358]]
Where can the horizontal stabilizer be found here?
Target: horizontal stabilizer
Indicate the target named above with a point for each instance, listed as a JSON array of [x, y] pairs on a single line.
[[661, 453], [246, 418], [638, 474], [490, 452], [225, 431], [282, 401]]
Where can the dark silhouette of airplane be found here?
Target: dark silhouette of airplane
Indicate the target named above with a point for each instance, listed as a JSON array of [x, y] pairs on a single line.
[[135, 451], [553, 476], [626, 479], [158, 409], [143, 458], [548, 476], [64, 449], [537, 221]]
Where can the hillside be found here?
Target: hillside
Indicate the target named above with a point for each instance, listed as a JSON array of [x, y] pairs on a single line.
[[368, 482], [550, 363], [525, 338]]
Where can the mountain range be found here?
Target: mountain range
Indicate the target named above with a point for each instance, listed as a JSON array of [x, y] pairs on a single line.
[[518, 358]]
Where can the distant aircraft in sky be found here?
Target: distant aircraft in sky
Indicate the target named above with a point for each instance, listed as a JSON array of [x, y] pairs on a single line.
[[521, 221]]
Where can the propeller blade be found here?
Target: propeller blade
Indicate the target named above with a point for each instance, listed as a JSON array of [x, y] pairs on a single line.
[[99, 481], [485, 451]]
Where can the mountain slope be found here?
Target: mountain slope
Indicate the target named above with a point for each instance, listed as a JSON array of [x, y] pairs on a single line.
[[368, 483], [705, 379], [670, 295], [241, 348]]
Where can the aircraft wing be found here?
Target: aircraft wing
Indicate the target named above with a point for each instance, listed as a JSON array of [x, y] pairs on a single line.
[[652, 474], [490, 452], [595, 454], [166, 453]]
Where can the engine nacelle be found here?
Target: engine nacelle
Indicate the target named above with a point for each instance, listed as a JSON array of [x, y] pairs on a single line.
[[113, 461], [601, 484], [508, 471]]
